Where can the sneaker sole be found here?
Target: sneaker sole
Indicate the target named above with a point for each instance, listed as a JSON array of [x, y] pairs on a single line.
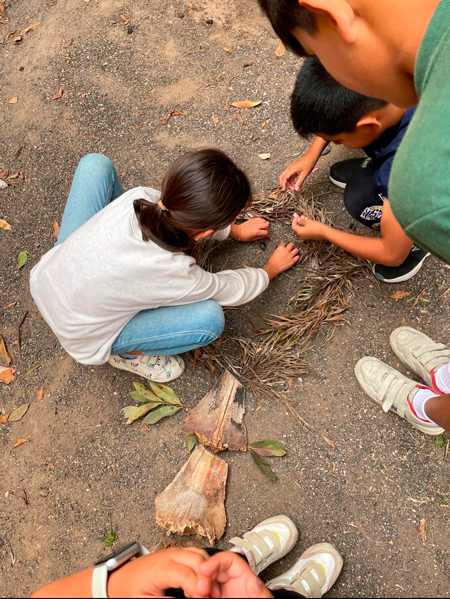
[[337, 183], [153, 380], [403, 278], [432, 431]]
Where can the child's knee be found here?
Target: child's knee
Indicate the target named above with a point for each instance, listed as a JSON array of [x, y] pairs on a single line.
[[96, 161], [213, 318]]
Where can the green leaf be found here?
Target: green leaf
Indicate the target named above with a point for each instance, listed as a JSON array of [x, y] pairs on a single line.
[[149, 396], [19, 413], [263, 465], [166, 394], [140, 412], [269, 448], [161, 413], [440, 441], [21, 260], [32, 369], [191, 441], [139, 398]]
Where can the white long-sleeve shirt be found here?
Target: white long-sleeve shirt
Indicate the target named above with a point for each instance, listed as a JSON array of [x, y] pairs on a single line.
[[89, 287]]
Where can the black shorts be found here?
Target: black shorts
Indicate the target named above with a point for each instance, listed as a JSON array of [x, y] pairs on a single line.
[[362, 199]]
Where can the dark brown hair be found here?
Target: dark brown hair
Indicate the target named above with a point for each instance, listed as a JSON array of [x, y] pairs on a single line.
[[202, 190], [287, 15]]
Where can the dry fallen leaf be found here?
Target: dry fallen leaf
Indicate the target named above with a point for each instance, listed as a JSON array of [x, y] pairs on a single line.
[[125, 19], [264, 156], [281, 49], [25, 497], [400, 294], [4, 352], [226, 49], [41, 394], [330, 443], [4, 419], [28, 29], [423, 534], [245, 104], [18, 414], [20, 442], [10, 306], [13, 100], [4, 174], [4, 225], [6, 375], [58, 94], [55, 229]]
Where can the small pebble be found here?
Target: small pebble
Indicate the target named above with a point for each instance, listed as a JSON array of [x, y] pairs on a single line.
[[326, 151], [263, 246], [180, 15], [130, 29], [22, 69], [210, 22]]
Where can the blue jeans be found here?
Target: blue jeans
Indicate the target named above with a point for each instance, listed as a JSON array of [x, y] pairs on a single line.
[[165, 331]]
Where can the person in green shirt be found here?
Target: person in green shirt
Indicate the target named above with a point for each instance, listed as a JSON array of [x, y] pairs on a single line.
[[399, 52]]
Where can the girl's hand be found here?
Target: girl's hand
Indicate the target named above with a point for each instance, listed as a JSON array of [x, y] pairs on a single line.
[[252, 230], [228, 575], [283, 258], [308, 229]]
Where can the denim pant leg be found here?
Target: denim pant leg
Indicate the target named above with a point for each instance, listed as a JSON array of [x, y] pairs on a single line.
[[171, 330], [94, 186]]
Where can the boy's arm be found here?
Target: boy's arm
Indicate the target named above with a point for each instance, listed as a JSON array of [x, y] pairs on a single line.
[[301, 168], [391, 249]]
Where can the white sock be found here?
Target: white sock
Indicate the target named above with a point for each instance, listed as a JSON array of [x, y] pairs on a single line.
[[443, 378], [420, 399]]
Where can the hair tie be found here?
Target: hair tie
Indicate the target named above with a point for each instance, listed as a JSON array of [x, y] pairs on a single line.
[[161, 205]]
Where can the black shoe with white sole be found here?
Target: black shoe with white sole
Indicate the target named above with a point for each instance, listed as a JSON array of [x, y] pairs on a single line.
[[341, 172], [398, 274]]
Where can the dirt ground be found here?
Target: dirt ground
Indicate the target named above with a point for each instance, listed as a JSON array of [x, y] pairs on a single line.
[[83, 470]]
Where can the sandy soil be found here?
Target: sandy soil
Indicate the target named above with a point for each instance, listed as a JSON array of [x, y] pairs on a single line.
[[82, 469]]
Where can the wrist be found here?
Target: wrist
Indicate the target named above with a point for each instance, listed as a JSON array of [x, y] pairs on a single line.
[[271, 270], [235, 232]]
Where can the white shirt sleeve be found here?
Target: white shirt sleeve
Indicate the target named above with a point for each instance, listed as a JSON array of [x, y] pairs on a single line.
[[228, 288], [222, 234]]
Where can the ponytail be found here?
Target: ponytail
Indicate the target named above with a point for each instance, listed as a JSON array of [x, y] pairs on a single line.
[[203, 190]]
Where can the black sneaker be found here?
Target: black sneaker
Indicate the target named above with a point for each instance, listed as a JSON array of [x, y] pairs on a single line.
[[341, 172], [398, 274]]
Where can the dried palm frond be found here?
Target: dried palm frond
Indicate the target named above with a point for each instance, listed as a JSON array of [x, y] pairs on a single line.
[[262, 366], [203, 252]]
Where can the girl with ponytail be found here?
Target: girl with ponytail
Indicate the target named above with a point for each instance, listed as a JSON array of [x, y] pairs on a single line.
[[118, 286]]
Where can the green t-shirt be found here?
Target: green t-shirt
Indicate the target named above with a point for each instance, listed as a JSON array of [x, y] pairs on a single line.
[[419, 189]]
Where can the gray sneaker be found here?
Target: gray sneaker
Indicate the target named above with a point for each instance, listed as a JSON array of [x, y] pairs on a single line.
[[420, 353], [392, 391]]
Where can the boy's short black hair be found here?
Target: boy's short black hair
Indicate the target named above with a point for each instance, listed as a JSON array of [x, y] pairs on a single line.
[[287, 15], [320, 104]]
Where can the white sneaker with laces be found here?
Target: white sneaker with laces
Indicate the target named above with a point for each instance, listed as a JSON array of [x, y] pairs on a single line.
[[268, 542], [314, 574], [159, 369]]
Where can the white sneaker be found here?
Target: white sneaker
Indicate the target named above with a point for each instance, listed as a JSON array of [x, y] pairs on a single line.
[[420, 353], [267, 542], [392, 391], [159, 369], [314, 574]]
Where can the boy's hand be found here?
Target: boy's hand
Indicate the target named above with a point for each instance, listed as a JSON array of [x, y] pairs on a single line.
[[297, 170], [283, 258], [308, 229], [228, 575], [151, 575], [252, 230]]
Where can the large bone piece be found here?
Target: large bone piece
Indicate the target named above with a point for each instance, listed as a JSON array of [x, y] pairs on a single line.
[[218, 419], [194, 503]]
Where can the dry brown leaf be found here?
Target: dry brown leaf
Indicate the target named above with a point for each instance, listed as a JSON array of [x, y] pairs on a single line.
[[10, 306], [58, 94], [423, 534], [30, 28], [245, 104], [281, 49], [4, 225], [25, 497], [124, 19], [191, 11], [4, 174], [263, 126], [330, 443], [13, 100], [226, 49], [400, 294], [55, 228], [4, 352], [20, 442], [4, 419], [41, 394], [218, 78], [6, 375]]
